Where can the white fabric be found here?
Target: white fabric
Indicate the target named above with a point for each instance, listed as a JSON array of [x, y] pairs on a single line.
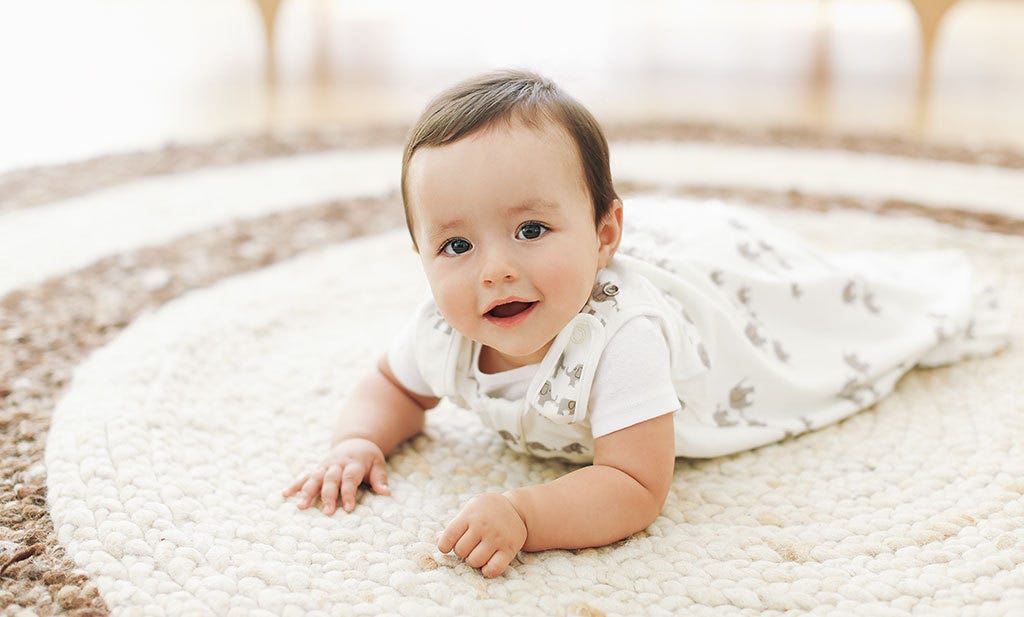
[[510, 385], [402, 359], [632, 384]]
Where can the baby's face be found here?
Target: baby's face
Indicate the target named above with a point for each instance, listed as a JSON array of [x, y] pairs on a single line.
[[505, 230]]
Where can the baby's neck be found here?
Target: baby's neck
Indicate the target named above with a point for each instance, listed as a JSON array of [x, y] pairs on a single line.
[[493, 361]]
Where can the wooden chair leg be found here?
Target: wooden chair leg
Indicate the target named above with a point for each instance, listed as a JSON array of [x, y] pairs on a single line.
[[929, 17], [819, 82], [268, 11]]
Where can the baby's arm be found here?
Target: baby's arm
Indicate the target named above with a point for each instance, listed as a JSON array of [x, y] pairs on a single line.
[[619, 495], [376, 417], [381, 410]]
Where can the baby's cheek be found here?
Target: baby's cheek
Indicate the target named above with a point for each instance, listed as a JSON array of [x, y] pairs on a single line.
[[456, 302], [442, 281], [571, 283]]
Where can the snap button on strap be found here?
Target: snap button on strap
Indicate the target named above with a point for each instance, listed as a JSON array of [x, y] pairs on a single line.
[[579, 334]]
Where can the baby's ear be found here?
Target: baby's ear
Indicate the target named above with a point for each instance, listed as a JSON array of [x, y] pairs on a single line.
[[609, 233]]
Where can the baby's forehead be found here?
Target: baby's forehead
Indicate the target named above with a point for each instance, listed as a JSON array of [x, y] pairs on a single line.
[[538, 152]]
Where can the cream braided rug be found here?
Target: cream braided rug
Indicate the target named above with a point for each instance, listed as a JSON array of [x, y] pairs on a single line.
[[177, 335]]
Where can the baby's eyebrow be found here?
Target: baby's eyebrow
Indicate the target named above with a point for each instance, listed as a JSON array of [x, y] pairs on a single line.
[[446, 227], [536, 204]]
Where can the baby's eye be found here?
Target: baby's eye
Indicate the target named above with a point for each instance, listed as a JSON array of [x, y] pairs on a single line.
[[531, 231], [456, 246]]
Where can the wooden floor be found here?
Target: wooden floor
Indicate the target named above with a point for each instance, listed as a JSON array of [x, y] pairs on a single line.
[[86, 77]]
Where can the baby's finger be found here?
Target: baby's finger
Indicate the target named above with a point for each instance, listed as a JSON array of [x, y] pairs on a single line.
[[469, 541], [480, 555], [451, 535], [310, 489], [497, 563], [352, 477], [379, 478], [295, 486], [329, 491]]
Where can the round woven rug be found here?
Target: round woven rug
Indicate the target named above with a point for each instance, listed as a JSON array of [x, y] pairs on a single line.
[[164, 379]]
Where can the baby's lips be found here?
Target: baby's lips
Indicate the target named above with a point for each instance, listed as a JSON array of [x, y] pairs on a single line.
[[508, 300], [509, 309]]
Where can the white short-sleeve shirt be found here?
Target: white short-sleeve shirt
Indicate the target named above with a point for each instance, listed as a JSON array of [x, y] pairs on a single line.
[[633, 382]]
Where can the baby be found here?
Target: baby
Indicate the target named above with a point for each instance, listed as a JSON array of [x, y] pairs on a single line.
[[706, 337]]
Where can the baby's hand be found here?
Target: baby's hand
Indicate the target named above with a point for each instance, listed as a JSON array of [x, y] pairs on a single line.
[[487, 533], [345, 467]]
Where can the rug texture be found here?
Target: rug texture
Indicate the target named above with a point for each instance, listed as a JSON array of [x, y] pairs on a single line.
[[160, 385]]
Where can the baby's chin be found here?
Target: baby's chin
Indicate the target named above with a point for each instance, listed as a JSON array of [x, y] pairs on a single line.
[[520, 355]]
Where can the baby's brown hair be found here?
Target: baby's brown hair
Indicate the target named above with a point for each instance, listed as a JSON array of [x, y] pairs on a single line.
[[479, 102]]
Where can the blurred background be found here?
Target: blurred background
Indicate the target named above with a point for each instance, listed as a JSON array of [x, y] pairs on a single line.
[[82, 78]]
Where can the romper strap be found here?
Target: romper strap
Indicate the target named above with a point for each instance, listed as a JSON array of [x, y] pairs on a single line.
[[561, 388]]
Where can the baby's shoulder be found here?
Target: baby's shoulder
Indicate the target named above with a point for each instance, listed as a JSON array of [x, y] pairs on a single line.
[[637, 338]]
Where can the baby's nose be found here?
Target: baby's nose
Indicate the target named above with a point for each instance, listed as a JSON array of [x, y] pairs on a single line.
[[497, 268], [508, 278]]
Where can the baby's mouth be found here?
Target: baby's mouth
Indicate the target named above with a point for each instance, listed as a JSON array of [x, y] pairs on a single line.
[[509, 309]]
